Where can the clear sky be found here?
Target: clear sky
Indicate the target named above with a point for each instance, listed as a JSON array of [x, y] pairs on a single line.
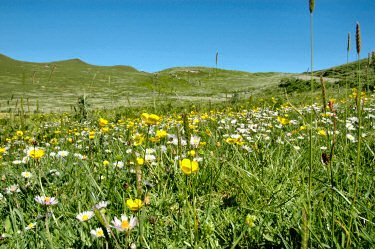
[[151, 35]]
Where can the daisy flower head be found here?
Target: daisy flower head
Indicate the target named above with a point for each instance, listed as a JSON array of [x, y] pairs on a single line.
[[46, 201], [85, 216], [98, 232], [124, 225], [194, 141], [12, 189], [26, 174], [100, 205], [150, 158], [62, 153], [17, 162], [350, 137], [118, 164], [297, 147], [31, 225], [150, 151]]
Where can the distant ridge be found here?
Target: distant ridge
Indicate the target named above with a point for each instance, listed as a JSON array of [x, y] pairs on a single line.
[[75, 61]]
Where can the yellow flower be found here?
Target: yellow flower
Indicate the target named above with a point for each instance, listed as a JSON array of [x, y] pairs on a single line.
[[230, 140], [188, 166], [91, 137], [105, 129], [161, 133], [105, 163], [103, 122], [134, 205], [150, 119], [322, 132], [154, 139], [19, 133], [283, 121], [139, 142], [140, 161], [237, 140], [36, 154], [2, 150], [192, 153]]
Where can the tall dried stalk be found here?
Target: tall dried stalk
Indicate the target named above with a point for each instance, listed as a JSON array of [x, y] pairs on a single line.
[[359, 113], [311, 8]]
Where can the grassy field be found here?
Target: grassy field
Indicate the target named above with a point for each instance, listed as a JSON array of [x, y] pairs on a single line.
[[188, 157], [242, 182], [57, 85]]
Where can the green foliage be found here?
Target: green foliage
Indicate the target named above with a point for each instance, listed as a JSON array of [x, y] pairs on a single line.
[[296, 85]]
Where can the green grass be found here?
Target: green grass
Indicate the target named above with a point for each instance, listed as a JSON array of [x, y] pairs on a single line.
[[262, 179], [57, 89]]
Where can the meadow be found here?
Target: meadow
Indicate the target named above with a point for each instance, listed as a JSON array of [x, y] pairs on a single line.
[[112, 157]]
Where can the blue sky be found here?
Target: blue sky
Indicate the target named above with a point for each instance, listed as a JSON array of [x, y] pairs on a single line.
[[151, 35]]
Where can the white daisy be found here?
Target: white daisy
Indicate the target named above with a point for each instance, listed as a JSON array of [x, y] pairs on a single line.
[[150, 158], [85, 216], [100, 205], [194, 141], [31, 225], [150, 151], [17, 162], [47, 201], [62, 153], [26, 174], [124, 225], [118, 164], [98, 232], [350, 137], [12, 189], [79, 156]]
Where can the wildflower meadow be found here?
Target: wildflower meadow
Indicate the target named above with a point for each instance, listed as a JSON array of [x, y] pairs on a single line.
[[274, 170]]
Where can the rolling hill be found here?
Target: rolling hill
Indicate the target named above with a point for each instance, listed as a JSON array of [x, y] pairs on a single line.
[[57, 85]]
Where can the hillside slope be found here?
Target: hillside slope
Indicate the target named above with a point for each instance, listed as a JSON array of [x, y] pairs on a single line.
[[57, 85]]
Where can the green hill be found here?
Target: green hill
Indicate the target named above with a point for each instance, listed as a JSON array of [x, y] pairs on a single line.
[[57, 85], [350, 71]]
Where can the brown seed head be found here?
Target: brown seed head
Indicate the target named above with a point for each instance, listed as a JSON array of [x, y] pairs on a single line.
[[152, 220], [348, 42], [325, 158], [358, 39], [312, 5]]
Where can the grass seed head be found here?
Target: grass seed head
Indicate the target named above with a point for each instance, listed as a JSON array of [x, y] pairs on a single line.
[[358, 39], [348, 49], [312, 5]]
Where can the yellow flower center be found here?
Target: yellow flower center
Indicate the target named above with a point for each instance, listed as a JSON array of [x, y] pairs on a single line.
[[30, 225], [46, 199], [99, 233], [125, 224], [85, 217], [27, 174]]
